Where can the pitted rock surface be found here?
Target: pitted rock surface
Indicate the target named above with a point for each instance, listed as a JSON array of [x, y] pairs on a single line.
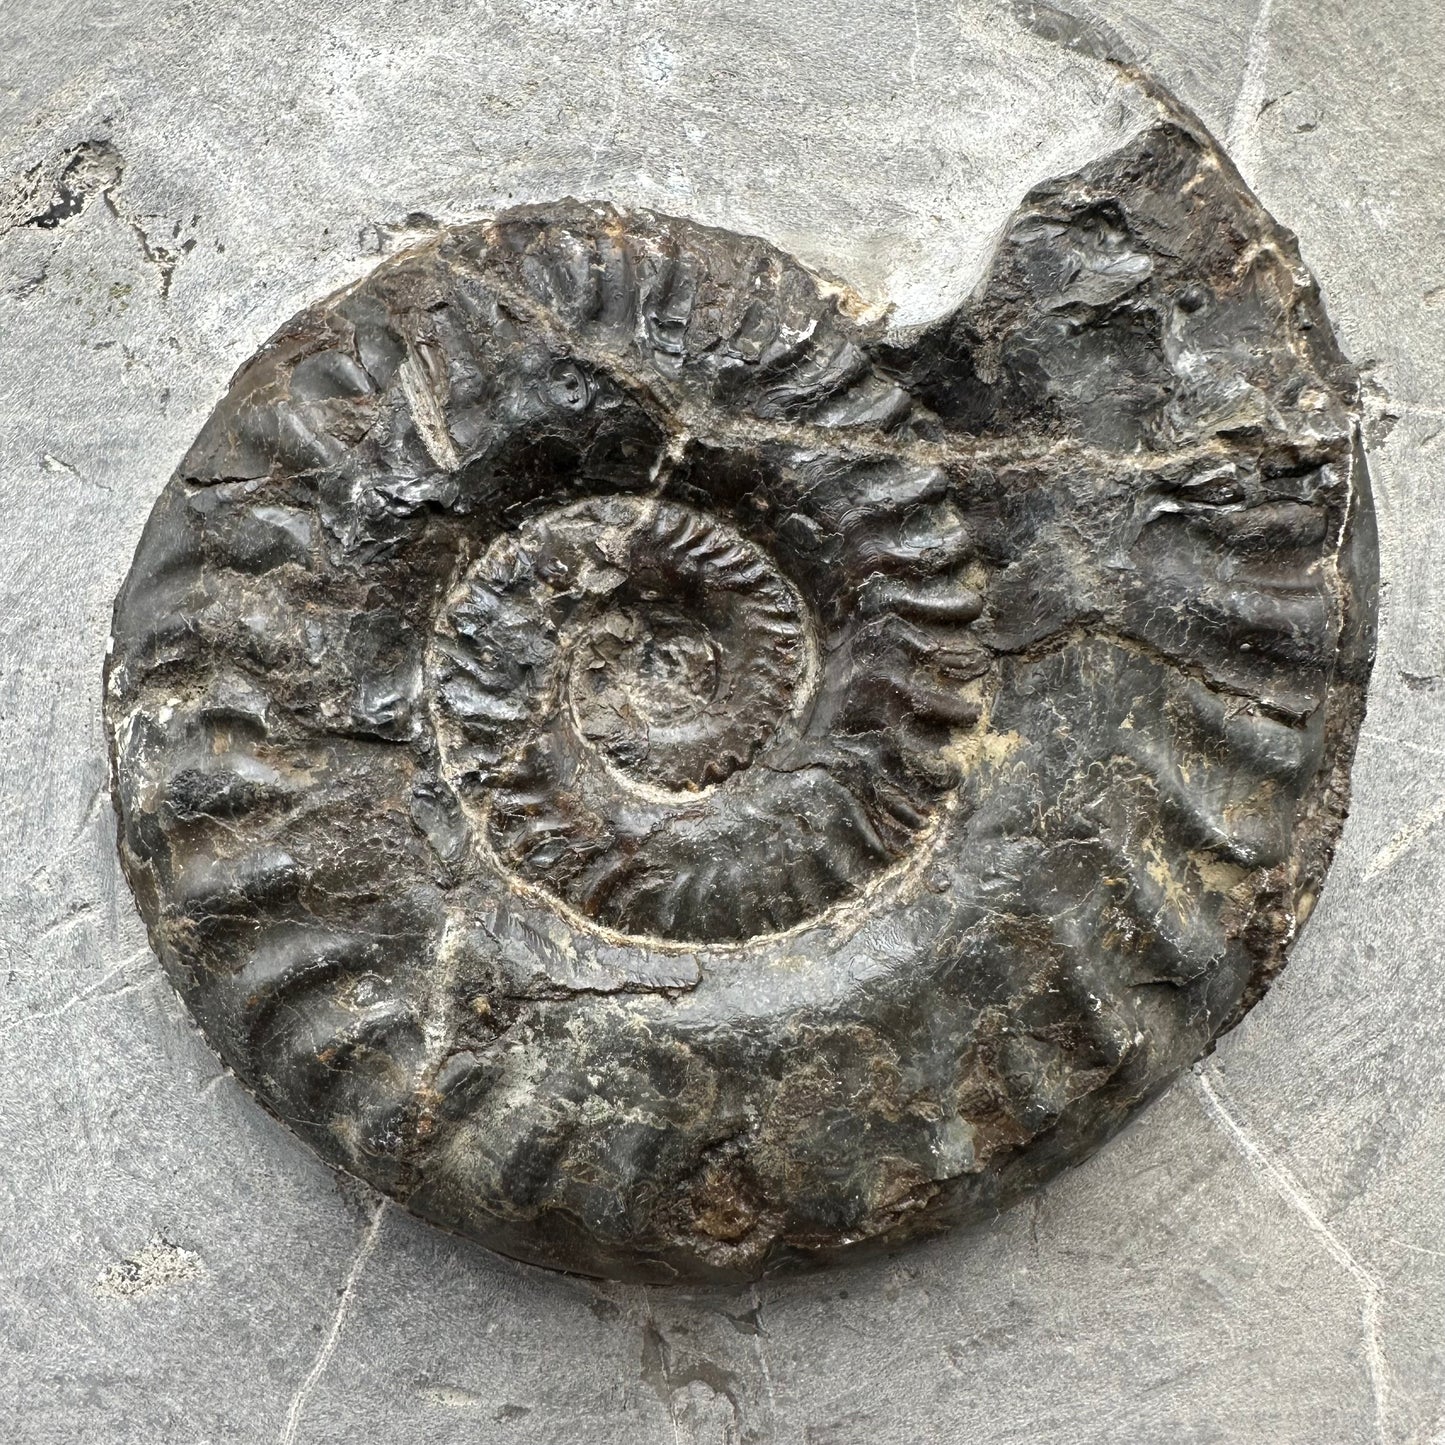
[[666, 777]]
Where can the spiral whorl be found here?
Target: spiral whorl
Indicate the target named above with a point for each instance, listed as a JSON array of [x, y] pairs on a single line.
[[670, 780]]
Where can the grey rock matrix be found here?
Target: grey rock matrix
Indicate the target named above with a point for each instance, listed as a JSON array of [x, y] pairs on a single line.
[[145, 256]]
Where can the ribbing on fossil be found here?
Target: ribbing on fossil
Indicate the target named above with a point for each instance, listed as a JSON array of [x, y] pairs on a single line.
[[670, 780]]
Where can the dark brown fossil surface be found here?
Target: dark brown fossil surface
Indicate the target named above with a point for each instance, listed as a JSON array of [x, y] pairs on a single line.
[[671, 780]]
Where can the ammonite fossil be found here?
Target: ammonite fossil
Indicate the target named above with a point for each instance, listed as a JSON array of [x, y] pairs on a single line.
[[671, 779]]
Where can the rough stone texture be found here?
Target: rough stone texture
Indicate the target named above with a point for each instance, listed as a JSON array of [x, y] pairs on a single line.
[[1257, 1259]]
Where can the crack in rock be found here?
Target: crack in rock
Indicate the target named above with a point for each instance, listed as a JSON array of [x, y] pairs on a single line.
[[1279, 1179]]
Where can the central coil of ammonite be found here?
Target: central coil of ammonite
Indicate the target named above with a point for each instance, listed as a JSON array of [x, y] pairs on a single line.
[[595, 673], [629, 702], [669, 779]]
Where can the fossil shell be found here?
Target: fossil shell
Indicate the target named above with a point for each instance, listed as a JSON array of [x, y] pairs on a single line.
[[668, 779]]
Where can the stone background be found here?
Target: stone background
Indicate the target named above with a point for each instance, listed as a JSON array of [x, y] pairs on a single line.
[[1259, 1258]]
